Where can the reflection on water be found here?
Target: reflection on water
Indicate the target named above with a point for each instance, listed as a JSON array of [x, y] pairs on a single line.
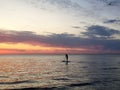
[[83, 72]]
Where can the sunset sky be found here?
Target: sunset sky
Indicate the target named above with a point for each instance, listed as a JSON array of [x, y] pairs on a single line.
[[59, 26]]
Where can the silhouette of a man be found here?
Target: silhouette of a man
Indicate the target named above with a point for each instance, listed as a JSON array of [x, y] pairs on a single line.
[[66, 55]]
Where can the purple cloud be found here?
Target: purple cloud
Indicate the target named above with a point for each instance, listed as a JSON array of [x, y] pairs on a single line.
[[59, 40], [112, 21], [101, 32]]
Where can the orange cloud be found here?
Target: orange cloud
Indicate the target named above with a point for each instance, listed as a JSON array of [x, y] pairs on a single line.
[[21, 48]]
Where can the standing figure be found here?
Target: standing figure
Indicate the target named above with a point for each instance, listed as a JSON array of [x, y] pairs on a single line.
[[66, 55]]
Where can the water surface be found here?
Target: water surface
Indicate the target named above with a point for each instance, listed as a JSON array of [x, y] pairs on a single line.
[[83, 72]]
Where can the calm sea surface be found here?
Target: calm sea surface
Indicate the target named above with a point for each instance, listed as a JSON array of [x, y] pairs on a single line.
[[83, 72]]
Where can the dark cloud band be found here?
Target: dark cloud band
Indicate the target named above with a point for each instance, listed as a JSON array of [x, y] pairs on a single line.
[[112, 21], [59, 40], [101, 32]]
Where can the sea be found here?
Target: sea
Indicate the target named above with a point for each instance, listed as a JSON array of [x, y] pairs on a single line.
[[50, 72]]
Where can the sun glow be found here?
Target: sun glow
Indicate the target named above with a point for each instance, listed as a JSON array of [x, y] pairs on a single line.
[[9, 48], [20, 48]]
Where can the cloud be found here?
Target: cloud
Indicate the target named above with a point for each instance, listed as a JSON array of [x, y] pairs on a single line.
[[114, 3], [61, 4], [76, 27], [112, 21], [96, 31], [64, 3], [111, 2], [70, 40], [63, 40]]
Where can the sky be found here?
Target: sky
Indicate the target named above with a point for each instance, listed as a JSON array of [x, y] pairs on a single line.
[[59, 26]]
